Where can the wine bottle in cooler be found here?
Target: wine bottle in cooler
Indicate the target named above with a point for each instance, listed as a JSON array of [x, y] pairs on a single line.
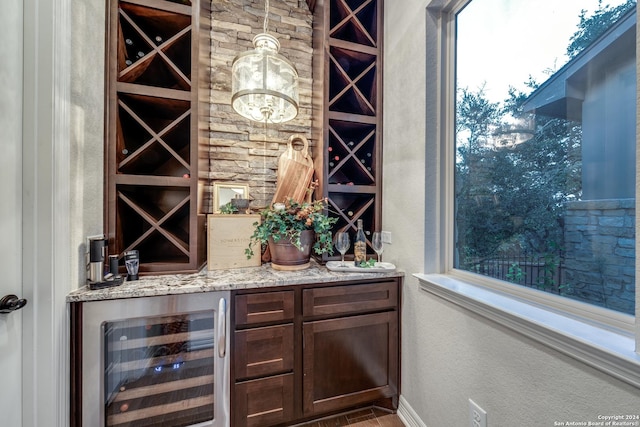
[[360, 246]]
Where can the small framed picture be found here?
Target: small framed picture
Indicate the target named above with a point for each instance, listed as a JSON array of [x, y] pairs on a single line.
[[223, 193]]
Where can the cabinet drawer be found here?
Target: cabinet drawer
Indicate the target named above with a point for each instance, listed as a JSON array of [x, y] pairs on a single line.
[[263, 351], [266, 307], [338, 300], [264, 402]]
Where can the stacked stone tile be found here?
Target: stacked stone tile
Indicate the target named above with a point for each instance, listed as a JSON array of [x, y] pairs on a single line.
[[240, 150], [600, 252]]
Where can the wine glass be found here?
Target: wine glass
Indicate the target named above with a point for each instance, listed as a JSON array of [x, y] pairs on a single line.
[[342, 244], [377, 244]]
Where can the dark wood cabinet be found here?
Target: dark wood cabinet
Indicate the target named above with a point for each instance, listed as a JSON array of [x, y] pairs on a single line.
[[263, 307], [349, 361], [263, 351], [348, 98], [349, 299], [151, 148], [263, 358], [351, 357], [263, 402], [306, 351]]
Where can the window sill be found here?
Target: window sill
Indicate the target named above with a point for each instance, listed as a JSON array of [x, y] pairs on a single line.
[[609, 351]]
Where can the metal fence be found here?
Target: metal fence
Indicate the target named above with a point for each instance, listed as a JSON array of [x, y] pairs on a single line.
[[545, 272]]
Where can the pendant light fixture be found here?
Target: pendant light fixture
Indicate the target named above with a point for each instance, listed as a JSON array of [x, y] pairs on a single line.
[[264, 84]]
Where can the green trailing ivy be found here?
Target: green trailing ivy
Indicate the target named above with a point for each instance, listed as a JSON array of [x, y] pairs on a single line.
[[288, 220], [228, 208]]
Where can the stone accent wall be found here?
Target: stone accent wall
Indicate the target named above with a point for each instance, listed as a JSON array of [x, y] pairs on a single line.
[[239, 150], [600, 252]]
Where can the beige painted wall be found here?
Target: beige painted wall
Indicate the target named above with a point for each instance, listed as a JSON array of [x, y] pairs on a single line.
[[87, 127], [449, 354]]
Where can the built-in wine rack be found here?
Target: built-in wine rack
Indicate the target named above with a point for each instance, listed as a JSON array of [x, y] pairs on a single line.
[[152, 134], [348, 132], [159, 371]]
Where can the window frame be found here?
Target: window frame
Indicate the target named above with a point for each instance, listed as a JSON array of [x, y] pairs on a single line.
[[602, 338]]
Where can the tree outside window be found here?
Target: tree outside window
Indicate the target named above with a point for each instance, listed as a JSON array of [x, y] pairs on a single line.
[[544, 179]]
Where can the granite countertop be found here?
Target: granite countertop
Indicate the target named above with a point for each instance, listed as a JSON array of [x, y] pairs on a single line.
[[221, 280]]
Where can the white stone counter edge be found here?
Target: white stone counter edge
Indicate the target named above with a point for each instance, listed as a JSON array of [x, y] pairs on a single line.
[[221, 280]]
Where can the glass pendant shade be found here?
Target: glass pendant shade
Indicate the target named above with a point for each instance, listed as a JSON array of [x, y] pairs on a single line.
[[264, 84]]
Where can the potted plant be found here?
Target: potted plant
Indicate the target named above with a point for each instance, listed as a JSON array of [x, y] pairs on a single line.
[[291, 230], [228, 209]]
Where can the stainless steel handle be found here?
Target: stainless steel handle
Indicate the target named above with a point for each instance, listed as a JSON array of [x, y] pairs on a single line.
[[222, 327], [10, 303]]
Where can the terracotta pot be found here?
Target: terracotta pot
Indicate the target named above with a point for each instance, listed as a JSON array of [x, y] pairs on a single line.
[[285, 256]]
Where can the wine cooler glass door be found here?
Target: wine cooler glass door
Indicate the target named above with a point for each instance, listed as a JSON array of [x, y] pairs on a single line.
[[162, 365]]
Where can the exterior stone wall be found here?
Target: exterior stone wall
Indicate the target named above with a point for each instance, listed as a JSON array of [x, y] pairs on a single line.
[[241, 151], [600, 252]]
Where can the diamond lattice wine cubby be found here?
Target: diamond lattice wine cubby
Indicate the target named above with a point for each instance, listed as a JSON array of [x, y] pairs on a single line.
[[153, 137], [154, 220], [351, 153], [352, 82], [152, 134], [154, 46], [347, 88], [354, 20], [348, 208]]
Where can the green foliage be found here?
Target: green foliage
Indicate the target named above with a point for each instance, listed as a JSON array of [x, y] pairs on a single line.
[[515, 273], [547, 280], [228, 208], [592, 27], [512, 196], [515, 195], [287, 221], [370, 263]]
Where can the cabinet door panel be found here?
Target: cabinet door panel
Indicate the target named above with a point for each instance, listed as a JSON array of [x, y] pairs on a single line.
[[264, 307], [349, 299], [349, 361], [264, 402], [263, 351]]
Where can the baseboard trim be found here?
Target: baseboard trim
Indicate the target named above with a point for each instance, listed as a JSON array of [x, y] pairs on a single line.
[[407, 415]]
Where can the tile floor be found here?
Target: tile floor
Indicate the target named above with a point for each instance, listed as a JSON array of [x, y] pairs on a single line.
[[369, 417]]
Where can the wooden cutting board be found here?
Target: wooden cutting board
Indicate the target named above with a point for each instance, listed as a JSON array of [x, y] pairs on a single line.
[[294, 175], [295, 171]]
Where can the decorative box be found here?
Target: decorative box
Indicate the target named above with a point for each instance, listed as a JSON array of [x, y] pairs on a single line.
[[227, 238]]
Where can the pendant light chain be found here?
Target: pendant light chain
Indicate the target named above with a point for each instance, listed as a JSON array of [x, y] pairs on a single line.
[[266, 16]]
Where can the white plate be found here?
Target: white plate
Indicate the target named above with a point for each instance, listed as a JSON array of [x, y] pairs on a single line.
[[350, 267]]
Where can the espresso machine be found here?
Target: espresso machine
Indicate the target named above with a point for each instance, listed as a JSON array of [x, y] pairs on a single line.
[[96, 277]]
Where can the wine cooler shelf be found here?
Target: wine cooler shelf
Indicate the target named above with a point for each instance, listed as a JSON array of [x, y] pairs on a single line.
[[159, 371]]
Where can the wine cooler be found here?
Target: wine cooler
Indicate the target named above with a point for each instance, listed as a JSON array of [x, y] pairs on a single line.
[[153, 361]]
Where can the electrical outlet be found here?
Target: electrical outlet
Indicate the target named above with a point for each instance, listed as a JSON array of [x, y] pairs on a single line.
[[477, 415], [386, 237]]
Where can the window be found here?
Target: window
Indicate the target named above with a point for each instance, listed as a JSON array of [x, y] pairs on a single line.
[[545, 133], [545, 146]]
